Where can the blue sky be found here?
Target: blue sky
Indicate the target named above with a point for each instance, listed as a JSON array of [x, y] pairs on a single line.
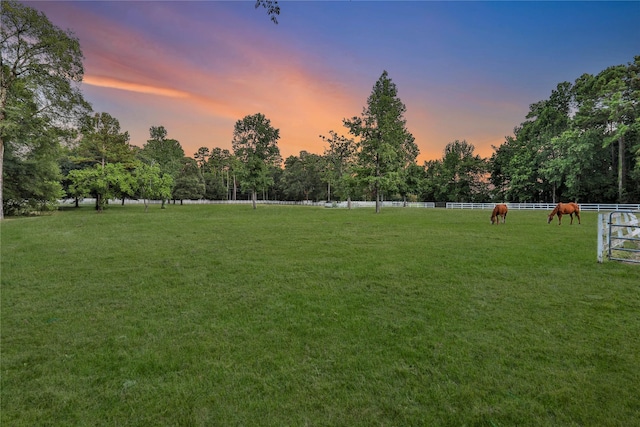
[[466, 70]]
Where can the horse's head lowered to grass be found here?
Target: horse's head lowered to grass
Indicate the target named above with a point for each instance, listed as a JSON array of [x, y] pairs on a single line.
[[565, 209], [499, 210]]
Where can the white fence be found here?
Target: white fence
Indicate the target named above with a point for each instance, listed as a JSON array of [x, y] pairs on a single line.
[[619, 236], [353, 204], [598, 207], [92, 201], [372, 204]]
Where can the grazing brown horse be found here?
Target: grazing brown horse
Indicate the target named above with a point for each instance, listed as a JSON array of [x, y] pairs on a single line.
[[499, 210], [565, 209]]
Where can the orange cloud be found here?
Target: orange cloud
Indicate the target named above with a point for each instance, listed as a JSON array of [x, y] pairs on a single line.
[[133, 87], [225, 75]]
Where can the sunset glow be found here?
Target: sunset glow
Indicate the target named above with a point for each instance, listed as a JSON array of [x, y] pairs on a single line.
[[465, 70]]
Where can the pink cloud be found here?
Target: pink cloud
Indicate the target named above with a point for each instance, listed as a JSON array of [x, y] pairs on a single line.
[[197, 89], [112, 83]]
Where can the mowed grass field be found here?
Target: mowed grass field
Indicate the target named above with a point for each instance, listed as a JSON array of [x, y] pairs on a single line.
[[217, 315]]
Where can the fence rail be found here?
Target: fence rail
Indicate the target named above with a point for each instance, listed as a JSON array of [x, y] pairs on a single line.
[[372, 204], [87, 201], [597, 207], [353, 204]]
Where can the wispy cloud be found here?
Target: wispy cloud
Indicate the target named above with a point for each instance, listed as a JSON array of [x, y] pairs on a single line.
[[112, 83]]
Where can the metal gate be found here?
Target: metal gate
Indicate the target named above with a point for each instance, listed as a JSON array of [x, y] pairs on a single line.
[[619, 236]]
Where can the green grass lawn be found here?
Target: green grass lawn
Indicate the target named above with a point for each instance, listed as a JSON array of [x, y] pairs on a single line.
[[208, 315]]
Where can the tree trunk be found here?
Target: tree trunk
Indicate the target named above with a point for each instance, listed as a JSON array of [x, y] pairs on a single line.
[[3, 104], [621, 181], [227, 185], [377, 184], [235, 187], [254, 196], [1, 173]]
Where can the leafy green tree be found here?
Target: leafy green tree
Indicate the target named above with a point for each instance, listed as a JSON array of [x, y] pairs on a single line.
[[218, 175], [339, 162], [165, 152], [609, 103], [30, 161], [39, 64], [385, 146], [459, 176], [585, 166], [499, 170], [526, 166], [35, 177], [189, 183], [101, 182], [275, 191], [201, 157], [302, 177], [412, 185], [255, 144], [548, 119], [519, 170], [621, 105], [103, 141], [214, 189], [577, 143], [152, 184]]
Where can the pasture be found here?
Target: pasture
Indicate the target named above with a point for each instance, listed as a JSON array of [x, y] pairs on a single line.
[[206, 315]]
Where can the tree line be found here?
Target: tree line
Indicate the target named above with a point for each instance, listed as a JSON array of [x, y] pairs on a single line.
[[580, 144]]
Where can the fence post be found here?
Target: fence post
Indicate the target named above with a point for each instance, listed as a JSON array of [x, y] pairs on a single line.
[[600, 238]]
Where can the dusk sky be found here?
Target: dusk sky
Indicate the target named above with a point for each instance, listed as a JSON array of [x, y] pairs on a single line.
[[465, 70]]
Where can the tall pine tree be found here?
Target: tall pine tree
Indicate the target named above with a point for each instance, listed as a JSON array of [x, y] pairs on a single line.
[[386, 148]]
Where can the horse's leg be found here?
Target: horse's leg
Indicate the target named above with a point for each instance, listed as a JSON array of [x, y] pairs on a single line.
[[578, 215], [559, 218]]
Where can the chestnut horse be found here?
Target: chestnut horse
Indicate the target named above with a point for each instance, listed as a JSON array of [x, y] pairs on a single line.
[[499, 210], [565, 209]]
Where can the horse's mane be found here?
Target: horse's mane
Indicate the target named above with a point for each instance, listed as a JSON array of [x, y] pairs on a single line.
[[556, 209]]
